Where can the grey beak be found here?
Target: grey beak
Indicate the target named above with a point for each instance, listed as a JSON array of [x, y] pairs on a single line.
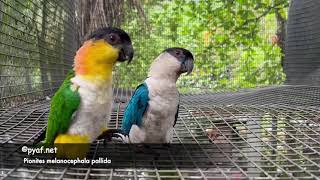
[[129, 54], [126, 54], [187, 66]]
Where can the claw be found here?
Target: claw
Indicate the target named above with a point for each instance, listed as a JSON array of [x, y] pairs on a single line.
[[111, 134]]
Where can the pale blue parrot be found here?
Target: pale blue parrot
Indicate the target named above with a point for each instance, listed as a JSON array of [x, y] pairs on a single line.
[[152, 111]]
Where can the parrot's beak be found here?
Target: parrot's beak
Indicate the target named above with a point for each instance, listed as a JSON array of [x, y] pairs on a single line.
[[126, 53], [187, 66]]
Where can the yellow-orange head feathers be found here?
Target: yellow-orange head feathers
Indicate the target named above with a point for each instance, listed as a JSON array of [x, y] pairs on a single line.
[[98, 54]]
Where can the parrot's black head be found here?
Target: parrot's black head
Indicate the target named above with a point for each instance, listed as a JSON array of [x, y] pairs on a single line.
[[184, 56], [118, 39]]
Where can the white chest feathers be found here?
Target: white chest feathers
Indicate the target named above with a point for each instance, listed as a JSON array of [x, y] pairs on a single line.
[[94, 111], [159, 117]]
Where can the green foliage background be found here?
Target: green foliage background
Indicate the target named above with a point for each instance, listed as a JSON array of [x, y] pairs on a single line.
[[231, 41]]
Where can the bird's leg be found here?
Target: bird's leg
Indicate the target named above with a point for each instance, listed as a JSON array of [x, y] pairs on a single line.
[[109, 134]]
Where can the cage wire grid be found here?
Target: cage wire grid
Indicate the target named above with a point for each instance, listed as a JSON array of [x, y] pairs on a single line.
[[275, 140], [263, 133]]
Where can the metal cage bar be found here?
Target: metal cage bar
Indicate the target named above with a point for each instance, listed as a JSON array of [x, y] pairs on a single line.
[[248, 146]]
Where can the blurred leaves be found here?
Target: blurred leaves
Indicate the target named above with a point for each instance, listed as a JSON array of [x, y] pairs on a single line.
[[231, 41]]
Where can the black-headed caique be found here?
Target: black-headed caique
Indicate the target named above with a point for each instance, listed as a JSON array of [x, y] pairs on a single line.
[[80, 109], [152, 111]]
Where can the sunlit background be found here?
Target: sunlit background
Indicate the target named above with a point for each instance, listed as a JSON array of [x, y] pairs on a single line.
[[237, 44]]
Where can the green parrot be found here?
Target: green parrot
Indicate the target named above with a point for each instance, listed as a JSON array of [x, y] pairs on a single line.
[[80, 109]]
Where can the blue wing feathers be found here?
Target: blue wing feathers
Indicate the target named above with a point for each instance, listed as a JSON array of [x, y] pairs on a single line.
[[135, 109]]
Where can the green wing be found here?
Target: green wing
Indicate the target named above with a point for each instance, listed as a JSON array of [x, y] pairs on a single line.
[[63, 104]]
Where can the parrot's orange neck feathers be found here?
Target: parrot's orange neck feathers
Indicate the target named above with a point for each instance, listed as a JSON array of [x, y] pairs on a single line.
[[80, 60], [94, 60]]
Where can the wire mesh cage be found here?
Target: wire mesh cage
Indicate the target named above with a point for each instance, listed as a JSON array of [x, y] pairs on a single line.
[[37, 48], [265, 123]]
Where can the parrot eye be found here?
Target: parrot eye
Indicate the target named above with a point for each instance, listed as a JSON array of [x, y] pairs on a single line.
[[178, 53], [113, 38]]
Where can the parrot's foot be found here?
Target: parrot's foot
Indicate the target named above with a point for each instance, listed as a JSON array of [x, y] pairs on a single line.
[[112, 135], [212, 134], [72, 146], [118, 137]]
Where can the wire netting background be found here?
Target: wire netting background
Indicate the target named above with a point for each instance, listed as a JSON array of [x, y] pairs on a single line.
[[229, 55], [303, 44], [38, 40], [265, 133], [37, 46]]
